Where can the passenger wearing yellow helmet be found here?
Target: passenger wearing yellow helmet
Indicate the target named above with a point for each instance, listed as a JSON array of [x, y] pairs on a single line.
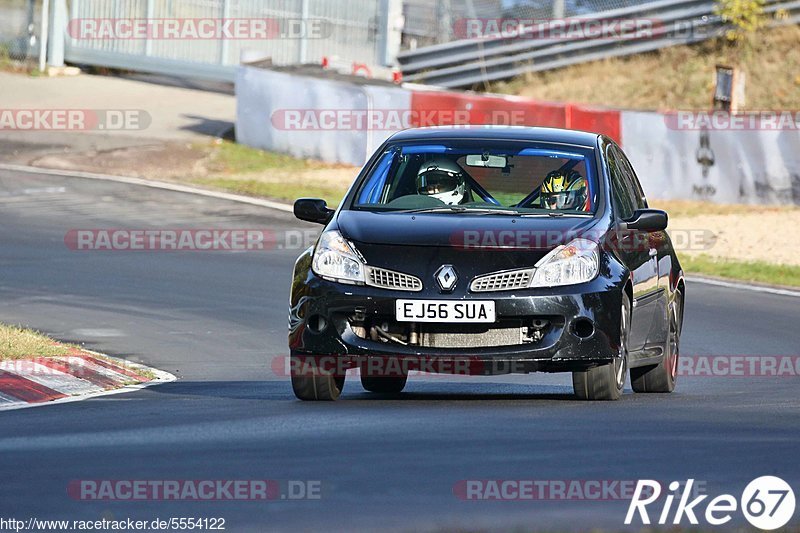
[[564, 190]]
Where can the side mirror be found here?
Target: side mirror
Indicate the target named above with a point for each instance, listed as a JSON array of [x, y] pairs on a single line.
[[313, 210], [649, 220]]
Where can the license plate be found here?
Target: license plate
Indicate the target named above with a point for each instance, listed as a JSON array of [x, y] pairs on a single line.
[[444, 311]]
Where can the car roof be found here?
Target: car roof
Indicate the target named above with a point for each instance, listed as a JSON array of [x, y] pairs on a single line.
[[516, 133]]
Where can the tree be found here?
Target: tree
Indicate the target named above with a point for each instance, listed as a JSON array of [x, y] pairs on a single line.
[[744, 17]]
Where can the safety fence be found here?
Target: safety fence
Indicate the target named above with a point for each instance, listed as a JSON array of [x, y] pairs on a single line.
[[209, 38], [20, 27]]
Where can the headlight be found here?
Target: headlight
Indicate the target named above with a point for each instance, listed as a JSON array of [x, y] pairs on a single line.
[[336, 260], [576, 262]]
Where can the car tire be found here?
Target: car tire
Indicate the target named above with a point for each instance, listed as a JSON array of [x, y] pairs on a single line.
[[320, 385], [662, 377], [384, 385], [606, 382]]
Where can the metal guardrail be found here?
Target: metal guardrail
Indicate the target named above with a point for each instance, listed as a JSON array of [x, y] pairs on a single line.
[[469, 62], [429, 22]]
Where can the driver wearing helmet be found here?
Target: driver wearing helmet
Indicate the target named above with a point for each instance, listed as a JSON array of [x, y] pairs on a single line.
[[442, 179], [564, 190]]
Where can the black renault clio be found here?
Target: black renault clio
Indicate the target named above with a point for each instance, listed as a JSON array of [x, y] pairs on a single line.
[[488, 250]]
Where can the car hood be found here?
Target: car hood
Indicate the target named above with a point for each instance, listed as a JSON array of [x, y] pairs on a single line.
[[464, 231]]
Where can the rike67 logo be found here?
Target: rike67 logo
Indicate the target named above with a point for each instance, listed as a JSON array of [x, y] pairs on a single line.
[[767, 503]]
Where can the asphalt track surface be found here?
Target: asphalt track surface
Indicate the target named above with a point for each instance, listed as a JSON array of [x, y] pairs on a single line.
[[217, 320]]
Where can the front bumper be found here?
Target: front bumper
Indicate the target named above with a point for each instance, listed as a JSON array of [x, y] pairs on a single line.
[[332, 319]]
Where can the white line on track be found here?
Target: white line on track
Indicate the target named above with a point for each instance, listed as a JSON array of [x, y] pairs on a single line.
[[743, 286], [98, 332], [149, 183]]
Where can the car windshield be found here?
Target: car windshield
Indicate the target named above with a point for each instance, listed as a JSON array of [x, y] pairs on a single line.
[[481, 177]]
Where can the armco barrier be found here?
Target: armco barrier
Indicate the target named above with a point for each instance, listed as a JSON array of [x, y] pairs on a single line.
[[481, 109], [264, 100], [265, 97], [516, 111], [724, 166], [599, 121]]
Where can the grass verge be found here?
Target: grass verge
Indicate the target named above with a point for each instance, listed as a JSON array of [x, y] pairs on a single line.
[[228, 157], [285, 191], [17, 342], [693, 208], [752, 271], [240, 169]]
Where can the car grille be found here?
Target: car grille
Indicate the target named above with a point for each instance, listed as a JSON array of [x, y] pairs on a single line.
[[389, 279], [466, 336], [502, 281]]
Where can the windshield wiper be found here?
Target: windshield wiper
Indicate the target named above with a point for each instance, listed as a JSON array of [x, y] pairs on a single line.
[[489, 211], [556, 214], [437, 209], [462, 209]]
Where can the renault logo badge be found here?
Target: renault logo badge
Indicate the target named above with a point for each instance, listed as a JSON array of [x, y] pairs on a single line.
[[446, 277]]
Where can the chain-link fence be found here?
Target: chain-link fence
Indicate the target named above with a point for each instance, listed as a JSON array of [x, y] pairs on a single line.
[[209, 38], [20, 26], [345, 28], [434, 21]]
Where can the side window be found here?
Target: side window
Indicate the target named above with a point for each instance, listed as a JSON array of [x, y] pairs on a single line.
[[623, 200], [636, 187]]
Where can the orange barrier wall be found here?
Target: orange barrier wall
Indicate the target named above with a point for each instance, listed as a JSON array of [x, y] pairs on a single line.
[[447, 108]]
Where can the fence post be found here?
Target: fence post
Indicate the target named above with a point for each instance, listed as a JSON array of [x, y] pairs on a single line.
[[444, 16], [58, 26], [559, 9], [390, 32], [303, 48], [148, 42], [224, 45], [45, 35]]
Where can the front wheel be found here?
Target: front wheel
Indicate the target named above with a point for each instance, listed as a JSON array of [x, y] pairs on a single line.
[[662, 377], [607, 381], [314, 383]]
